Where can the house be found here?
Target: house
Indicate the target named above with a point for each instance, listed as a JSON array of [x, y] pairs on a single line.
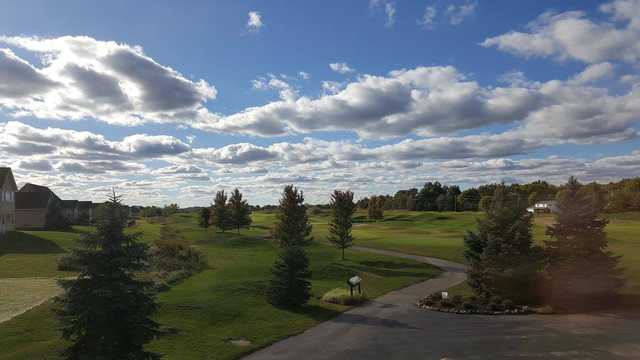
[[71, 210], [8, 189], [37, 207], [549, 206], [86, 211]]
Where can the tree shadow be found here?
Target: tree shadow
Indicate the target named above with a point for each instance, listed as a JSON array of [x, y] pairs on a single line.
[[393, 264], [358, 319], [316, 312], [18, 242]]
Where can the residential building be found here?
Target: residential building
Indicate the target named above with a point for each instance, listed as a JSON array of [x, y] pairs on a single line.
[[37, 207], [8, 190], [549, 206]]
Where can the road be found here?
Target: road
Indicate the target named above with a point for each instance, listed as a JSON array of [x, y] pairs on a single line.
[[392, 327]]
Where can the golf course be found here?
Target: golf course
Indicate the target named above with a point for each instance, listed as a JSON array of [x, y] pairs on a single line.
[[222, 312]]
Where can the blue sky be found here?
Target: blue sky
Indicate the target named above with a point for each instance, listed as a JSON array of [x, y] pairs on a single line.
[[458, 91]]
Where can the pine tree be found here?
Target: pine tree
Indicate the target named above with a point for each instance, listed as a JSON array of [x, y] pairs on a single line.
[[502, 259], [580, 269], [106, 311], [240, 210], [204, 217], [220, 216], [292, 222], [342, 210], [290, 286]]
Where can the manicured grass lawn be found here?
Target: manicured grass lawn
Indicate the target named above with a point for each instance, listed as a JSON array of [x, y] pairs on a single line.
[[227, 301]]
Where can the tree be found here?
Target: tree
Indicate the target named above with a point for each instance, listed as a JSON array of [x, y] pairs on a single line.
[[292, 222], [290, 286], [485, 202], [342, 210], [502, 259], [375, 208], [580, 270], [204, 217], [170, 209], [106, 311], [220, 213], [240, 210]]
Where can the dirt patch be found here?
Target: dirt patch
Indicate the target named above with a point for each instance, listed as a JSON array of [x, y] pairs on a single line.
[[242, 342], [17, 295]]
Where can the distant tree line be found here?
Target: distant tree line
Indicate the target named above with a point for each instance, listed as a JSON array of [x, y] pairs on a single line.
[[618, 196]]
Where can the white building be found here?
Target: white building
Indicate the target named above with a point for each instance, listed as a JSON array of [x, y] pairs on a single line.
[[8, 190], [549, 206]]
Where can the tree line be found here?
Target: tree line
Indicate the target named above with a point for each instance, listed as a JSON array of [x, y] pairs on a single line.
[[620, 196]]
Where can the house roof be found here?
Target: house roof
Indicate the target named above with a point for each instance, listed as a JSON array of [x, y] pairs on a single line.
[[32, 200], [6, 175], [28, 187], [69, 203]]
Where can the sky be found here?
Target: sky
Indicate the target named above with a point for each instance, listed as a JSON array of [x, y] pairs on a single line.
[[171, 101]]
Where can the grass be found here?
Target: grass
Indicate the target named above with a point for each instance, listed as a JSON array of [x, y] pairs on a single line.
[[227, 300]]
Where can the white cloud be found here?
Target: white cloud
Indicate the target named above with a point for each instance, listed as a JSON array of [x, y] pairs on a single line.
[[434, 101], [593, 73], [456, 14], [389, 8], [342, 68], [331, 87], [429, 17], [390, 11], [81, 77], [571, 35], [254, 23], [304, 75]]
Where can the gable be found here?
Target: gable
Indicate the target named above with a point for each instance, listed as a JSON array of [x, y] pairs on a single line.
[[7, 181]]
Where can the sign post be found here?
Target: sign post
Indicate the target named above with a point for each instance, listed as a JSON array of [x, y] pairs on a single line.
[[353, 282]]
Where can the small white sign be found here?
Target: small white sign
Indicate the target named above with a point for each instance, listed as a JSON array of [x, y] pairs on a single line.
[[445, 295], [355, 280]]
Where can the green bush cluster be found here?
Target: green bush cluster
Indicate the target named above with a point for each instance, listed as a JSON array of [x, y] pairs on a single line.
[[342, 296]]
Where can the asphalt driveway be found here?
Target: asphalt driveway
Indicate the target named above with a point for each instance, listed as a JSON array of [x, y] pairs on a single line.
[[392, 327]]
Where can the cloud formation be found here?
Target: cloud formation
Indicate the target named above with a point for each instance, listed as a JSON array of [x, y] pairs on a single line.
[[573, 36], [81, 77], [341, 68], [254, 22]]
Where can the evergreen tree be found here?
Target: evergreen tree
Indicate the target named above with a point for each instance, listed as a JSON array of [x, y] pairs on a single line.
[[580, 269], [290, 286], [106, 311], [502, 259], [240, 210], [342, 210], [292, 222], [220, 216], [204, 217]]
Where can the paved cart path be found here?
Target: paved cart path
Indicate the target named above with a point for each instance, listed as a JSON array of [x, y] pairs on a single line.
[[392, 327]]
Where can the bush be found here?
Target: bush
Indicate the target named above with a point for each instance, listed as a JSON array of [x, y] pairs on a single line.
[[508, 305], [67, 263], [457, 300], [468, 306], [169, 255], [495, 304], [343, 297]]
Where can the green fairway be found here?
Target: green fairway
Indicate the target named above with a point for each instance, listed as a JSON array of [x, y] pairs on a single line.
[[227, 301]]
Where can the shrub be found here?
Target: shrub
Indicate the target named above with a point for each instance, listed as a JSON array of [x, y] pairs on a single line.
[[170, 255], [508, 305], [446, 303], [468, 306], [67, 263], [457, 300], [343, 297]]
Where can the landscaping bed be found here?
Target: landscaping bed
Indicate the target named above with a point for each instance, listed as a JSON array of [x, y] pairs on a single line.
[[459, 304]]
